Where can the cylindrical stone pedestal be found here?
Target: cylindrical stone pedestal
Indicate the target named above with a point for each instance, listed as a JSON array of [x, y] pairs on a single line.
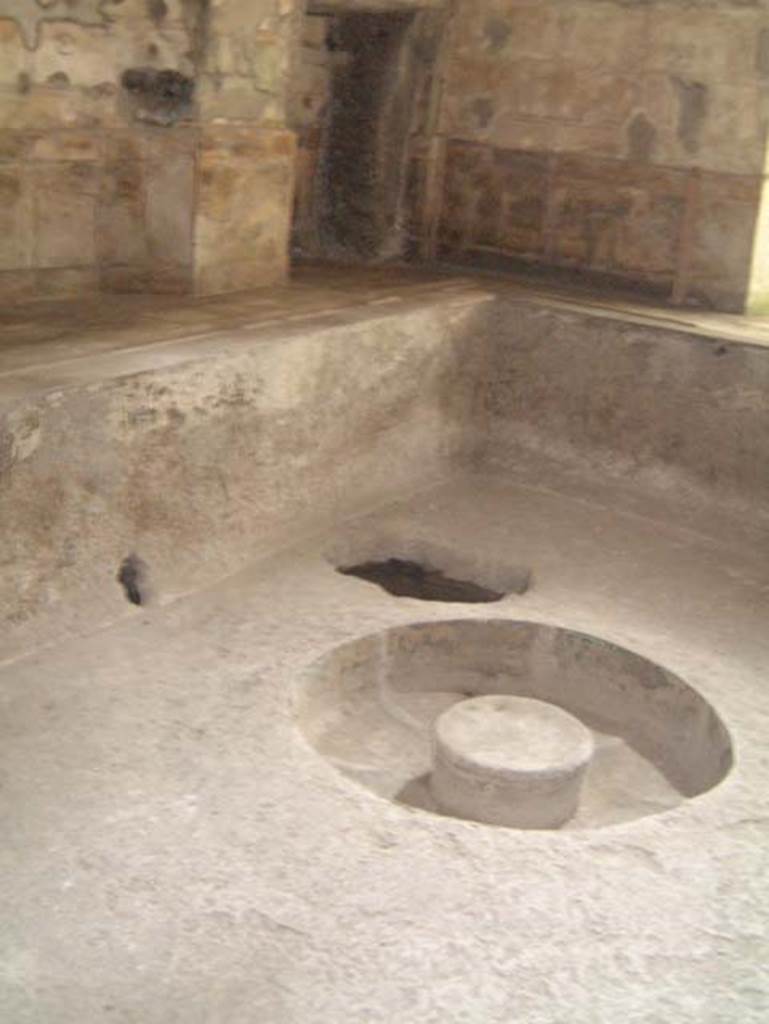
[[509, 761]]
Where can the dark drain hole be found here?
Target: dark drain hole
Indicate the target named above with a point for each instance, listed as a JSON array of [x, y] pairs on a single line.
[[132, 576], [410, 579]]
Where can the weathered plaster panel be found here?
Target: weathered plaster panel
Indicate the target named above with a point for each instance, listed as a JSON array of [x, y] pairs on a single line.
[[29, 15], [74, 162], [626, 88]]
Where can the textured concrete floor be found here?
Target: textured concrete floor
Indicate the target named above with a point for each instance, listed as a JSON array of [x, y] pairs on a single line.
[[176, 853]]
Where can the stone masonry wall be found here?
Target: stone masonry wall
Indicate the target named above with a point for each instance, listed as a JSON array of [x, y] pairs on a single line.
[[620, 138], [75, 167], [245, 154], [143, 145]]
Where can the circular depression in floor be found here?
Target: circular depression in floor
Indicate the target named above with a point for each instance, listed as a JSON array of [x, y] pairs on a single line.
[[373, 708]]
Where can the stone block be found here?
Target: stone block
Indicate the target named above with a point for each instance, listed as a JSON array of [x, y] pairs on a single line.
[[472, 97], [520, 180], [75, 145], [15, 218], [128, 279], [243, 209], [259, 56], [120, 225], [552, 91], [243, 16], [233, 98], [617, 217], [723, 238], [310, 95], [709, 46], [17, 285], [124, 142], [597, 140], [171, 280], [66, 282], [258, 271], [65, 199], [585, 95], [508, 31], [44, 113], [734, 132], [315, 31], [225, 142], [53, 283], [537, 134], [532, 88], [713, 126], [79, 54], [169, 199], [495, 199], [84, 56], [600, 35], [240, 209], [14, 58], [467, 170]]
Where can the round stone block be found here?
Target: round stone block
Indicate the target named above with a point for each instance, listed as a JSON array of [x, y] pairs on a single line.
[[509, 761]]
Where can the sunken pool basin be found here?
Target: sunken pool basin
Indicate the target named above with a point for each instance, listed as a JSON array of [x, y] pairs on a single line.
[[371, 707]]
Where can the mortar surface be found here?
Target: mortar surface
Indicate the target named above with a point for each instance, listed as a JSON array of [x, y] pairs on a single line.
[[39, 335], [177, 853]]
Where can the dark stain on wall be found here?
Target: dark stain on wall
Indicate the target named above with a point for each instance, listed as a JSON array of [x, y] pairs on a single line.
[[762, 53], [497, 31], [132, 576], [58, 80], [483, 111], [157, 10], [160, 97], [642, 139], [692, 110], [373, 89], [197, 18]]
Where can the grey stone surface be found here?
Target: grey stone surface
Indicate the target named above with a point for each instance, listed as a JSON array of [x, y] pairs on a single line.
[[155, 425], [176, 852], [509, 761], [372, 708], [668, 409], [201, 454]]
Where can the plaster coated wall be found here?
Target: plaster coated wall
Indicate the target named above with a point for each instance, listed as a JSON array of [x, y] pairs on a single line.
[[73, 161], [625, 139], [99, 191], [620, 138], [201, 460]]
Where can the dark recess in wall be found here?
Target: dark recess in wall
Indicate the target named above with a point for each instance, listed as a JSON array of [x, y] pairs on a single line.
[[368, 134]]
